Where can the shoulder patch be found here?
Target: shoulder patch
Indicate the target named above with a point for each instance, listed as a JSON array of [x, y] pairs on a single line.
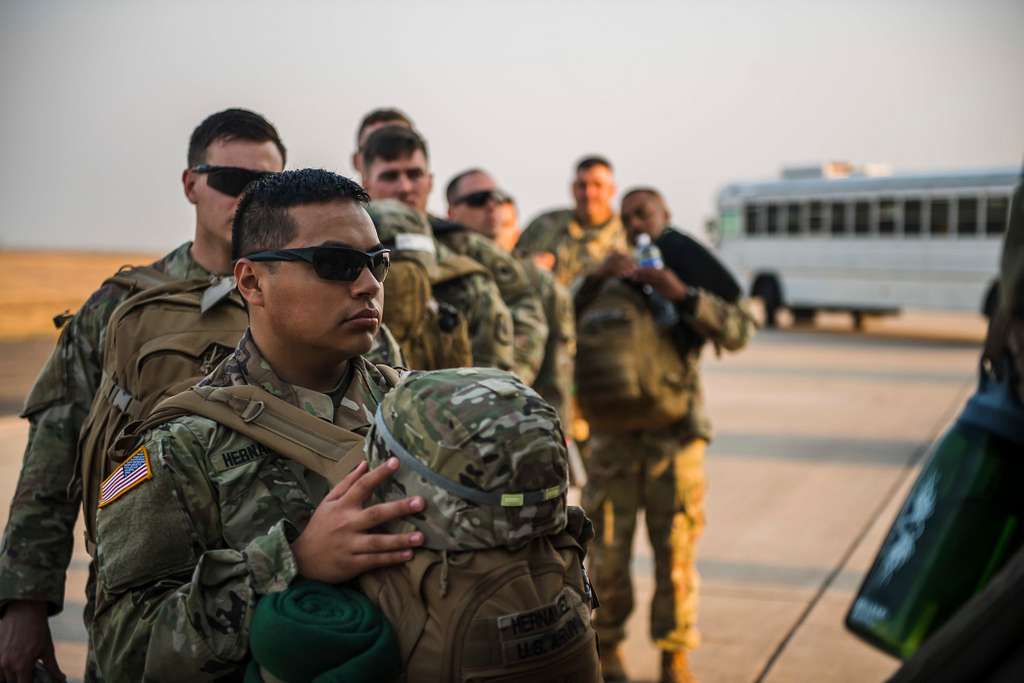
[[129, 474]]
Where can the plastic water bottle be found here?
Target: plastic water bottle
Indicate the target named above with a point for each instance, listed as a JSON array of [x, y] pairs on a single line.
[[648, 255], [960, 523]]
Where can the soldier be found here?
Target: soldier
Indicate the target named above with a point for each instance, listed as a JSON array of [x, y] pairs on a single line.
[[579, 239], [226, 151], [475, 201], [375, 120], [659, 469], [202, 520], [396, 166]]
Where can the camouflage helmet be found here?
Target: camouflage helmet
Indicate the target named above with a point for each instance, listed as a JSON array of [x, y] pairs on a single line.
[[405, 230], [484, 450]]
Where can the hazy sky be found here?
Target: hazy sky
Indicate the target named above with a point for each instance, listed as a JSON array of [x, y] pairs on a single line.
[[99, 98]]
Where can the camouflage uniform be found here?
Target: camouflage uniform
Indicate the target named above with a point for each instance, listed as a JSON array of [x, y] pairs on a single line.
[[184, 556], [554, 380], [385, 349], [38, 540], [578, 248], [529, 324], [662, 472]]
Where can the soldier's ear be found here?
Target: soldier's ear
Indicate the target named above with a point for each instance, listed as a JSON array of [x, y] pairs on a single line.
[[188, 183], [249, 282]]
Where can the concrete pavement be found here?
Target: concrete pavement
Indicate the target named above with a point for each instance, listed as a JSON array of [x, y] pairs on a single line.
[[819, 434]]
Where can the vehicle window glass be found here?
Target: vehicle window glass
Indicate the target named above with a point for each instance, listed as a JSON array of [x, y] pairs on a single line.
[[862, 218], [750, 219], [996, 215], [773, 219], [912, 217], [815, 217], [794, 217], [838, 218], [886, 217], [939, 223], [967, 216]]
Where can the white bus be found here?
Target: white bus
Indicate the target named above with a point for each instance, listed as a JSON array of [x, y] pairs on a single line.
[[834, 238]]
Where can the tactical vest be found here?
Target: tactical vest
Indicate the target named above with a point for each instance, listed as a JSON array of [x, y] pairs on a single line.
[[497, 614], [630, 374], [159, 341], [431, 334]]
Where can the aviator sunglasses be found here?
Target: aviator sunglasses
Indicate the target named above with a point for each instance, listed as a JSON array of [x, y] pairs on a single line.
[[333, 263], [230, 180], [479, 199]]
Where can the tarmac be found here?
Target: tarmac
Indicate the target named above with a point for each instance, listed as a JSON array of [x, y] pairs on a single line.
[[819, 433]]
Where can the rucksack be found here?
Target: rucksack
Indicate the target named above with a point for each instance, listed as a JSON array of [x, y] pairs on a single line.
[[431, 334], [518, 616], [159, 341], [630, 374]]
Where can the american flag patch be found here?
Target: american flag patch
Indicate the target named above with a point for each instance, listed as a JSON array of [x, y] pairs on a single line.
[[127, 476]]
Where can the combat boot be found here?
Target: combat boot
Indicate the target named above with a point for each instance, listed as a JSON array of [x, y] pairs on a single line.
[[675, 668], [612, 670]]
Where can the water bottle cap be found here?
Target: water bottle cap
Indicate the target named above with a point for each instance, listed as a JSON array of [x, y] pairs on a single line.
[[643, 239]]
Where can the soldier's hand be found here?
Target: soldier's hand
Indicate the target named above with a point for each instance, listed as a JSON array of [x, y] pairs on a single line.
[[25, 639], [617, 264], [663, 280], [336, 544]]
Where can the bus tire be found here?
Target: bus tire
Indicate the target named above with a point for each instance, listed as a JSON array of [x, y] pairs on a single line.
[[803, 315], [767, 289], [991, 304], [858, 320]]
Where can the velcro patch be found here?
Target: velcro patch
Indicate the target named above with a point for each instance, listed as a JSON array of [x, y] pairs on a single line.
[[129, 474], [409, 241]]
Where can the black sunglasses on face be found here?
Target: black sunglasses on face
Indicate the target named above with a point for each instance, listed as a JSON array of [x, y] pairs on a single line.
[[333, 263], [479, 199], [230, 180]]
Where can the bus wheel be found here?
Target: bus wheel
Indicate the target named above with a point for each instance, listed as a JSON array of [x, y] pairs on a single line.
[[803, 315], [766, 288], [858, 320]]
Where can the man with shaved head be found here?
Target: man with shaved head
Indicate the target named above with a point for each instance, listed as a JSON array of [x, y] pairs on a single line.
[[658, 469]]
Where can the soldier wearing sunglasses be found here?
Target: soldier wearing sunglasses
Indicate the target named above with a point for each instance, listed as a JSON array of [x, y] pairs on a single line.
[[475, 201], [226, 151], [177, 595]]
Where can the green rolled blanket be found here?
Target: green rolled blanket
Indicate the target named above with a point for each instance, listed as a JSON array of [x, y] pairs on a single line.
[[317, 632]]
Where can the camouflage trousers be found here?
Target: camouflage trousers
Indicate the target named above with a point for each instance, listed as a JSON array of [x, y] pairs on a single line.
[[655, 472]]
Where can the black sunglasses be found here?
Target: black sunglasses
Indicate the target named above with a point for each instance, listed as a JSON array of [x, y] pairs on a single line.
[[479, 199], [333, 263], [230, 180]]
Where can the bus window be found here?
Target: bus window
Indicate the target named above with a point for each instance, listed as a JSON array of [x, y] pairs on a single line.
[[838, 218], [794, 216], [967, 216], [750, 219], [912, 217], [939, 223], [996, 213], [886, 217], [815, 217], [862, 218], [773, 219]]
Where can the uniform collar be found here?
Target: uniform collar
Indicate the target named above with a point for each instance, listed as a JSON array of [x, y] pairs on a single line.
[[180, 264]]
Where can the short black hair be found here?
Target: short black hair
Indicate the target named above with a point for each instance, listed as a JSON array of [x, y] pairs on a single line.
[[393, 142], [382, 115], [591, 161], [262, 220], [453, 184], [232, 124], [649, 191]]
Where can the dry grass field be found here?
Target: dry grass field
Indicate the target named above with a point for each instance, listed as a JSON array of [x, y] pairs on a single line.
[[37, 285]]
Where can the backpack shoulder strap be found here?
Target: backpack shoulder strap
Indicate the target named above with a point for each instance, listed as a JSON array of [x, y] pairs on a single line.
[[138, 278], [325, 448]]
